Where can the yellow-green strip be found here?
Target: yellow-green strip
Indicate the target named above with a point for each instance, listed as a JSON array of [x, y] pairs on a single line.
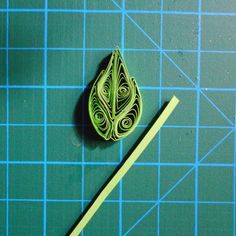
[[126, 166]]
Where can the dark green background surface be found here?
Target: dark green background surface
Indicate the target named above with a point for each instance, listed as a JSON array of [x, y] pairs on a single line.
[[187, 173]]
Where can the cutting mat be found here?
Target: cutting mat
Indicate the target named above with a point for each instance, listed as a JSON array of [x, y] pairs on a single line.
[[50, 163]]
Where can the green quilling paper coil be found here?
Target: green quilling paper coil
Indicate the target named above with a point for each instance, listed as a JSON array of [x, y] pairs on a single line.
[[115, 104]]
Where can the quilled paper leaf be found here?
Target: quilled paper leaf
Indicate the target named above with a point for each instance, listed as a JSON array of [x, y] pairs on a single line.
[[115, 104]]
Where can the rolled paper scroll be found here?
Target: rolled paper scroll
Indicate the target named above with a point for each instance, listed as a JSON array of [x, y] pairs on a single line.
[[115, 104]]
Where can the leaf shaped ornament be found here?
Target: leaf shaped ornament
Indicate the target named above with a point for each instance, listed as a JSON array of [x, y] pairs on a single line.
[[115, 104]]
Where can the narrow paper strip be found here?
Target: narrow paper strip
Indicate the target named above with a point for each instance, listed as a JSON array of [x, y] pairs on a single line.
[[126, 166]]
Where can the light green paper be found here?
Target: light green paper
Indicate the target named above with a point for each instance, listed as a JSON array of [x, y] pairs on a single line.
[[115, 104], [124, 168]]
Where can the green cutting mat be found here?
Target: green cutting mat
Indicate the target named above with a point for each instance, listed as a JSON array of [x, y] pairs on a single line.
[[185, 181]]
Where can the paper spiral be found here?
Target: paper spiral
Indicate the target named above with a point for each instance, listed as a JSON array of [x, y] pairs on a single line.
[[115, 104]]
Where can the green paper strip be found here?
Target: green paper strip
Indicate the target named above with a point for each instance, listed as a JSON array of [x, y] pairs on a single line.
[[115, 104], [126, 166]]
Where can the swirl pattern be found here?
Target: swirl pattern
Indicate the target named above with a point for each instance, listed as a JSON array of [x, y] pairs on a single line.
[[115, 104]]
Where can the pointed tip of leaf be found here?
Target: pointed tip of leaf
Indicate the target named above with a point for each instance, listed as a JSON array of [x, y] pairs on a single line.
[[117, 48]]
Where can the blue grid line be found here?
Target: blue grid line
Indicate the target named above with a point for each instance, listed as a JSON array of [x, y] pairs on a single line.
[[102, 11], [45, 120], [139, 126], [83, 117], [170, 190], [199, 202], [220, 89], [25, 162], [117, 201], [125, 49], [7, 120], [141, 88], [185, 75], [234, 182], [121, 141], [197, 119], [159, 134]]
